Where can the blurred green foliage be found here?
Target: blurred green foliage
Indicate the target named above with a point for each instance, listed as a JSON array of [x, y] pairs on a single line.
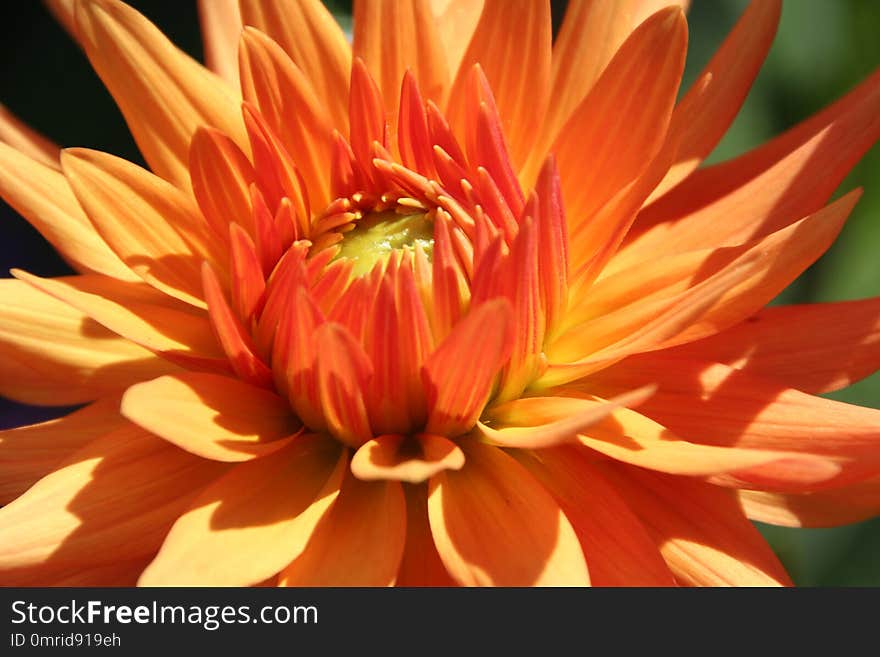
[[823, 49]]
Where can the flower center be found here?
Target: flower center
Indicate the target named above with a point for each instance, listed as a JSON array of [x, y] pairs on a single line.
[[378, 234]]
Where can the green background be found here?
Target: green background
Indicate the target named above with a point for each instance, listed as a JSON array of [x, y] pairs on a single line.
[[823, 49]]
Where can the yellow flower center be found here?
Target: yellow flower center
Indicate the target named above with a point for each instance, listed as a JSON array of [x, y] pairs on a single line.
[[378, 234]]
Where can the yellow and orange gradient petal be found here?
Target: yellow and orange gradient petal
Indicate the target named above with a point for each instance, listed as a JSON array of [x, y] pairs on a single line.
[[451, 305]]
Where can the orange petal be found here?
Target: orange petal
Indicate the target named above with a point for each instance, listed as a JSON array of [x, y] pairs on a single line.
[[409, 459], [116, 496], [494, 524], [314, 41], [392, 37], [706, 111], [43, 197], [248, 283], [221, 25], [455, 22], [590, 35], [231, 334], [616, 545], [643, 9], [137, 312], [287, 100], [827, 508], [163, 94], [421, 564], [221, 178], [765, 189], [473, 352], [344, 370], [635, 439], [397, 341], [622, 122], [153, 228], [540, 422], [688, 296], [54, 355], [714, 404], [700, 529], [215, 417], [29, 453], [253, 521], [512, 44], [26, 141], [358, 543], [816, 347]]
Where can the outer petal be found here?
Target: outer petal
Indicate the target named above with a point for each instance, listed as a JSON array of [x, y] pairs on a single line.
[[29, 453], [26, 141], [688, 296], [617, 546], [591, 34], [622, 122], [399, 458], [221, 26], [315, 43], [494, 524], [715, 404], [455, 22], [420, 565], [392, 37], [358, 543], [827, 508], [155, 229], [163, 94], [55, 355], [765, 189], [215, 417], [700, 529], [42, 196], [118, 495], [253, 521], [812, 347], [512, 44], [709, 107], [137, 312]]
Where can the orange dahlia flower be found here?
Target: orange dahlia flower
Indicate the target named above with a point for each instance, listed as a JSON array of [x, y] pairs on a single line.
[[450, 305]]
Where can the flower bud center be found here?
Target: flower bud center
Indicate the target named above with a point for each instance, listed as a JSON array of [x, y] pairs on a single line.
[[378, 234]]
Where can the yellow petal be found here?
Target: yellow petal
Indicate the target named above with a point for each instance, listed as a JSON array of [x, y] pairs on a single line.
[[221, 25], [31, 452], [26, 141], [114, 498], [252, 522], [494, 524], [540, 422], [400, 458], [358, 543], [455, 22], [163, 93], [43, 197], [152, 227], [53, 355], [137, 312], [215, 417]]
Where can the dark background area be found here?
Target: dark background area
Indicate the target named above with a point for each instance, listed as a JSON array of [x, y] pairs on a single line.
[[824, 48]]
